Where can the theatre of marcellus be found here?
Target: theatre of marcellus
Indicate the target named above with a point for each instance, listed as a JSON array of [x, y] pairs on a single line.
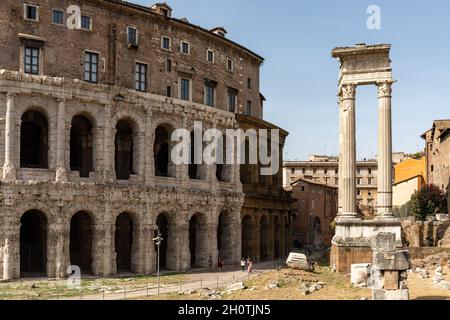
[[86, 117]]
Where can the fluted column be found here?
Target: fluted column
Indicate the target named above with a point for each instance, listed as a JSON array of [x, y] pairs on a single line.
[[347, 175], [9, 168], [384, 150], [341, 148], [61, 172]]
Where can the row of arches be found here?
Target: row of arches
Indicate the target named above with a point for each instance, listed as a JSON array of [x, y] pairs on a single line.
[[34, 147], [82, 240]]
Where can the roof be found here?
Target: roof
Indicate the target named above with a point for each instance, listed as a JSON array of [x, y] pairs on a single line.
[[443, 126], [312, 182], [408, 179], [186, 23]]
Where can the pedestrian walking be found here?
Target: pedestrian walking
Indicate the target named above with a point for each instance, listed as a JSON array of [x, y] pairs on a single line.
[[243, 264], [250, 266]]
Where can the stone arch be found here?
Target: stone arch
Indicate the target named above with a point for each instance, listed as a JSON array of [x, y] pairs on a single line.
[[81, 240], [223, 170], [34, 143], [124, 242], [81, 146], [248, 236], [225, 239], [264, 238], [277, 237], [33, 243], [198, 240], [125, 148], [162, 148], [166, 225]]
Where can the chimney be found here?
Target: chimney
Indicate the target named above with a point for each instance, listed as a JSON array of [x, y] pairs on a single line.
[[219, 31], [163, 9]]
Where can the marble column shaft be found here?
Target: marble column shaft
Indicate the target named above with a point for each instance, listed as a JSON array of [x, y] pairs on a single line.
[[384, 150], [9, 168], [61, 172]]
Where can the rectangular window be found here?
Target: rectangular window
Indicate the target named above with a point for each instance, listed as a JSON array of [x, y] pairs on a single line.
[[185, 47], [90, 67], [31, 12], [232, 99], [358, 193], [303, 188], [169, 91], [336, 181], [209, 93], [313, 204], [370, 170], [210, 56], [86, 23], [185, 94], [132, 36], [249, 83], [31, 60], [248, 109], [369, 181], [230, 65], [165, 43], [58, 17], [358, 181], [169, 65], [141, 77]]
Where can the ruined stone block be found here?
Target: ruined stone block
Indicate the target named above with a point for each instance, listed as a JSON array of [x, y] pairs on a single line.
[[391, 280]]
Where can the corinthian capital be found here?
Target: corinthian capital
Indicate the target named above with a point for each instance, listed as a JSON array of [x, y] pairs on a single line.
[[348, 91], [385, 89]]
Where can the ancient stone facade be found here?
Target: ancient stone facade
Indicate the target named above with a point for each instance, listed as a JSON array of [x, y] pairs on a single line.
[[85, 141]]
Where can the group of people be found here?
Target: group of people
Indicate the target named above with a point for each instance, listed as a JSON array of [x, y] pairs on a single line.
[[247, 263]]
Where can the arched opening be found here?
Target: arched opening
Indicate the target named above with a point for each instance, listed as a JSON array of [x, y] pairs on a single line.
[[81, 143], [124, 146], [161, 152], [193, 167], [34, 141], [163, 226], [124, 242], [264, 239], [277, 237], [225, 237], [246, 167], [198, 239], [81, 233], [247, 237], [33, 244]]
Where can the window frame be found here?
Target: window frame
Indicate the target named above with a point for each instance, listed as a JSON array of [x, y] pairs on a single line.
[[162, 43], [168, 65], [189, 82], [235, 102], [232, 64], [139, 72], [136, 43], [83, 15], [25, 11], [63, 17], [248, 104], [209, 94], [38, 65], [97, 72], [184, 42], [209, 50]]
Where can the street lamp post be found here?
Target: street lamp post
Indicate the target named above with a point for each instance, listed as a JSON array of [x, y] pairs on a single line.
[[158, 241]]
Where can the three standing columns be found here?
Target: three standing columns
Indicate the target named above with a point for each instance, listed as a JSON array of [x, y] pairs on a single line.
[[347, 152]]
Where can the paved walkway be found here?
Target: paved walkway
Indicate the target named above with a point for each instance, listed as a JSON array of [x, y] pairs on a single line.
[[195, 280]]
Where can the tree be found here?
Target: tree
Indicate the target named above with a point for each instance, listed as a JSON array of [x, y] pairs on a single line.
[[428, 201]]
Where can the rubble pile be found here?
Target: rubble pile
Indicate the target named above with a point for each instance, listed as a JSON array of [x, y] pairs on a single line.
[[432, 262]]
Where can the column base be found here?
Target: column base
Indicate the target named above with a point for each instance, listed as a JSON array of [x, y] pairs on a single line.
[[61, 175], [352, 241]]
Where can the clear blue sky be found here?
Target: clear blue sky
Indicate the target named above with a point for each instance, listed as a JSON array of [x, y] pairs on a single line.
[[299, 77]]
